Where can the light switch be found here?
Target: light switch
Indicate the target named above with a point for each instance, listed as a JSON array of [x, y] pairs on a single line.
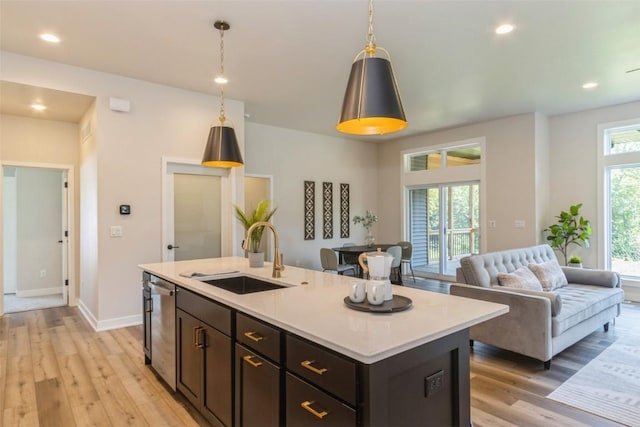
[[115, 231], [492, 223], [519, 223]]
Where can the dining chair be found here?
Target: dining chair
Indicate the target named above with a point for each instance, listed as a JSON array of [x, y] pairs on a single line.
[[407, 251], [351, 258], [396, 251], [329, 262]]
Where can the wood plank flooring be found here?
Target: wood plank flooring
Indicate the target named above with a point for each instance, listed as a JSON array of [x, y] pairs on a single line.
[[56, 371]]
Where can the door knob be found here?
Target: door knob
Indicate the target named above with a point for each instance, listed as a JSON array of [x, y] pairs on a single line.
[[173, 247]]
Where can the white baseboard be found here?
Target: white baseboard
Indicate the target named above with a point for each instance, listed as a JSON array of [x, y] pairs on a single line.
[[38, 292], [631, 291], [105, 325]]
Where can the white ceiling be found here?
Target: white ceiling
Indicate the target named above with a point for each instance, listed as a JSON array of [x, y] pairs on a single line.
[[289, 60]]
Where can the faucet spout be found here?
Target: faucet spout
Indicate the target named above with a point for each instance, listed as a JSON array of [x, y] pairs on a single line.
[[278, 259]]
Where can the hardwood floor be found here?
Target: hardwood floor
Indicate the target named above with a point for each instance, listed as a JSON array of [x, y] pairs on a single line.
[[56, 371]]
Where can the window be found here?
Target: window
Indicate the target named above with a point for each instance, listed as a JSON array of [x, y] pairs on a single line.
[[442, 187], [447, 158], [622, 199]]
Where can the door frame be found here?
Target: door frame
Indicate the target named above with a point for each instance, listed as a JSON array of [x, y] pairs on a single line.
[[69, 247], [227, 231]]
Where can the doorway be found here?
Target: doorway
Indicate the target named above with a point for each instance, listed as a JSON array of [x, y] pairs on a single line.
[[444, 227], [35, 237]]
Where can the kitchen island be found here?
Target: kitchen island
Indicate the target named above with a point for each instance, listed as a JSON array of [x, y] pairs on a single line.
[[403, 368]]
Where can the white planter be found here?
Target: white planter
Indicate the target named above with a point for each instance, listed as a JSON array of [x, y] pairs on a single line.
[[256, 259], [575, 264]]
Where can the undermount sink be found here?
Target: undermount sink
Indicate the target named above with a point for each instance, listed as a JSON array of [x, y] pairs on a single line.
[[242, 285]]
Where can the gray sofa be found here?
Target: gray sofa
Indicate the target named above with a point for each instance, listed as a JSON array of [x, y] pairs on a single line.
[[539, 324]]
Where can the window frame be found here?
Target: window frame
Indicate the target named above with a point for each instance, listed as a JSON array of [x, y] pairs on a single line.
[[607, 162]]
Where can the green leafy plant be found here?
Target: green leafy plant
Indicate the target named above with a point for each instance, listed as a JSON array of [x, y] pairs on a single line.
[[575, 259], [571, 229], [261, 213], [367, 220]]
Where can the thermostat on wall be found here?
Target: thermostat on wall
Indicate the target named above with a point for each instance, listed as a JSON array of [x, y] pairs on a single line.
[[125, 209]]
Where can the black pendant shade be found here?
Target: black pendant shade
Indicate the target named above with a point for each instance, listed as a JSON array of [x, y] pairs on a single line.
[[222, 149], [371, 103]]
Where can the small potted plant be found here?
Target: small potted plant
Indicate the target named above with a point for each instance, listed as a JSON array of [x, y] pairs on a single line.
[[575, 261], [367, 222], [261, 213], [571, 229]]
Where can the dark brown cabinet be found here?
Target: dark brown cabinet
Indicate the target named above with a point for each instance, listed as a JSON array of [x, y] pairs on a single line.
[[238, 370], [204, 356], [259, 373], [258, 391]]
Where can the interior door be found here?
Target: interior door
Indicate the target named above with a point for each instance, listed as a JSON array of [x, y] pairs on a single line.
[[193, 212]]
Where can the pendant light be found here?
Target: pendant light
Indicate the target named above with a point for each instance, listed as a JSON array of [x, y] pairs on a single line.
[[371, 103], [222, 149]]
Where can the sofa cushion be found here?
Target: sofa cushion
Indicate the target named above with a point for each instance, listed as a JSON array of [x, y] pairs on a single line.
[[549, 274], [522, 278], [580, 302], [483, 269]]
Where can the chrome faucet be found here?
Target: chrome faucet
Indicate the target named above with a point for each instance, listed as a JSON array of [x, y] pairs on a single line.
[[278, 258]]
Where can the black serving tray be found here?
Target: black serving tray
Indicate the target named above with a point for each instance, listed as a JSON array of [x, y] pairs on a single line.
[[398, 303]]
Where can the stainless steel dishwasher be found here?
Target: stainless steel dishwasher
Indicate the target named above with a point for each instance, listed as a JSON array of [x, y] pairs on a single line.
[[163, 329]]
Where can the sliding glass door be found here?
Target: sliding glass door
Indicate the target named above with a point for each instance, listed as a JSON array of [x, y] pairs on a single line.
[[444, 226]]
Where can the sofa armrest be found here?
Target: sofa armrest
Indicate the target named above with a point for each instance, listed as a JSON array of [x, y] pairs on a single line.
[[526, 329], [585, 276], [554, 298]]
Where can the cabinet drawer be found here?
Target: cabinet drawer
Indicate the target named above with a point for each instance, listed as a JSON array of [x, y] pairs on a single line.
[[209, 312], [308, 406], [323, 368], [258, 336]]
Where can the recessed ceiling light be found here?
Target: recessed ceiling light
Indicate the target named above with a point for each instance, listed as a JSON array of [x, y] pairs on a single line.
[[590, 85], [504, 29], [51, 38], [38, 107], [221, 80]]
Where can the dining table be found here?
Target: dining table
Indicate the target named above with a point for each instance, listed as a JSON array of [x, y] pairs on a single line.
[[350, 254]]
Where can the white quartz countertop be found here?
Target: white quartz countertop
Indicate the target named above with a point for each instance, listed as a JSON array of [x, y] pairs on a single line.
[[316, 310]]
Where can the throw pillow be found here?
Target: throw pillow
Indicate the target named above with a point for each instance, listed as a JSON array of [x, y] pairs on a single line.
[[522, 278], [549, 274]]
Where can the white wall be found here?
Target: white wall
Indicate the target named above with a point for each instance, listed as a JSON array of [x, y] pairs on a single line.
[[573, 161], [293, 157], [510, 162], [163, 121]]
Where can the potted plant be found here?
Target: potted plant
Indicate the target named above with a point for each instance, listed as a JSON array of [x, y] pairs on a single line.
[[367, 222], [571, 229], [261, 213], [575, 261]]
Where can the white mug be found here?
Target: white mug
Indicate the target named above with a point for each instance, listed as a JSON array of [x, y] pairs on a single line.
[[375, 293], [358, 291]]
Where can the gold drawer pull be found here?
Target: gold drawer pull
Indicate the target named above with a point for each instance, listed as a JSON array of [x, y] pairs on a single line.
[[251, 362], [307, 364], [251, 335], [196, 329], [307, 405]]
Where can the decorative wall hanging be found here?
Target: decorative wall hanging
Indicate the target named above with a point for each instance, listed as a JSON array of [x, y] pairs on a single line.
[[344, 210], [309, 210], [327, 210]]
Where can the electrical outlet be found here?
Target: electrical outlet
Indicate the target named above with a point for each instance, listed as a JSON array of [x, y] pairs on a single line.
[[43, 273], [433, 383], [519, 223]]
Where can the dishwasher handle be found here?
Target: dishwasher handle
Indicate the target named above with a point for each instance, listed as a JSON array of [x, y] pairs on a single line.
[[162, 290]]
